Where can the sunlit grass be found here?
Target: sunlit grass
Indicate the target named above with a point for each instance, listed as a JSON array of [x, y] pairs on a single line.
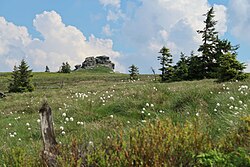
[[94, 107]]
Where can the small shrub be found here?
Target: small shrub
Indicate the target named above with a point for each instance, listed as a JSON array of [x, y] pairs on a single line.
[[133, 70], [65, 68]]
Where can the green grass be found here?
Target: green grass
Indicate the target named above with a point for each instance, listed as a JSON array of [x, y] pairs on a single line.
[[104, 104]]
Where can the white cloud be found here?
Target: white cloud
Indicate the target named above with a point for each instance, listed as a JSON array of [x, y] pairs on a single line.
[[114, 9], [115, 15], [13, 42], [239, 18], [221, 17], [248, 67], [60, 43], [114, 3], [171, 23], [106, 30]]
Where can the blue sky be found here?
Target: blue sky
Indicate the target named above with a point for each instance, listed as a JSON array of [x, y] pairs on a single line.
[[49, 32]]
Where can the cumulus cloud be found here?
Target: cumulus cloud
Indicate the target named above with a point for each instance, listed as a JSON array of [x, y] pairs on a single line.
[[13, 43], [60, 43], [171, 23], [239, 18]]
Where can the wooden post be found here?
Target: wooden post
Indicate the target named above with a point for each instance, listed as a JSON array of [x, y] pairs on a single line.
[[49, 140]]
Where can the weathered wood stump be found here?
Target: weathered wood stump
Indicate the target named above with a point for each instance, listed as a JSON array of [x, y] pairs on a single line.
[[2, 95], [49, 140]]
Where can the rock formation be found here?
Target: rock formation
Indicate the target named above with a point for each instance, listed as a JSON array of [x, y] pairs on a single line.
[[92, 62]]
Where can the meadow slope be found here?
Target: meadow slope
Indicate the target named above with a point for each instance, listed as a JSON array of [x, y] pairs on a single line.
[[140, 123]]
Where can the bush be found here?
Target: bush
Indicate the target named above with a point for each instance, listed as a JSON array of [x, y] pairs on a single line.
[[65, 68], [133, 70]]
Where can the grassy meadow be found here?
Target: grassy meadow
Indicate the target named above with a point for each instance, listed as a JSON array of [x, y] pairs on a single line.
[[104, 119]]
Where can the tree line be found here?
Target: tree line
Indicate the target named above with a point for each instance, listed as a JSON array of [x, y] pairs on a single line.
[[217, 59]]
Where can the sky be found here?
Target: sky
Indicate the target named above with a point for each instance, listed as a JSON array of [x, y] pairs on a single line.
[[49, 32]]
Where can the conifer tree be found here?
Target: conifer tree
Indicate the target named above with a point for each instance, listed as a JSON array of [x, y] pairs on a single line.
[[195, 66], [14, 84], [209, 39], [166, 64], [230, 69], [47, 69], [134, 71], [181, 69], [21, 78]]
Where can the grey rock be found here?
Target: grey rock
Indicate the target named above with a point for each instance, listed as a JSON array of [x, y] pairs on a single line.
[[77, 67], [89, 63], [92, 62]]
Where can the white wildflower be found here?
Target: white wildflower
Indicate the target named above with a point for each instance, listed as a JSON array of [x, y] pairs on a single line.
[[231, 98]]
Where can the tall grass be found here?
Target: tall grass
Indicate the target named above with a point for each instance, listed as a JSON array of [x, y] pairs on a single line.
[[104, 119]]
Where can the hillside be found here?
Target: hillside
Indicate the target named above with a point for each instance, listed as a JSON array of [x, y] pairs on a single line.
[[140, 122]]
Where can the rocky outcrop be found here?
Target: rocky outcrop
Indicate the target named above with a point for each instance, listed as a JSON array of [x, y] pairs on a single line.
[[92, 62]]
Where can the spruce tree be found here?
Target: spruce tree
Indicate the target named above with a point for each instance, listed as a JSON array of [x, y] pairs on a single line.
[[21, 79], [166, 64], [195, 66], [134, 71], [181, 69], [14, 84], [209, 39], [230, 69], [47, 69]]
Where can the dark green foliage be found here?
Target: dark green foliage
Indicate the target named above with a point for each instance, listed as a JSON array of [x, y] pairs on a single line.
[[47, 69], [134, 71], [181, 69], [65, 68], [21, 79], [166, 63], [230, 68], [216, 158], [209, 38], [195, 67]]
